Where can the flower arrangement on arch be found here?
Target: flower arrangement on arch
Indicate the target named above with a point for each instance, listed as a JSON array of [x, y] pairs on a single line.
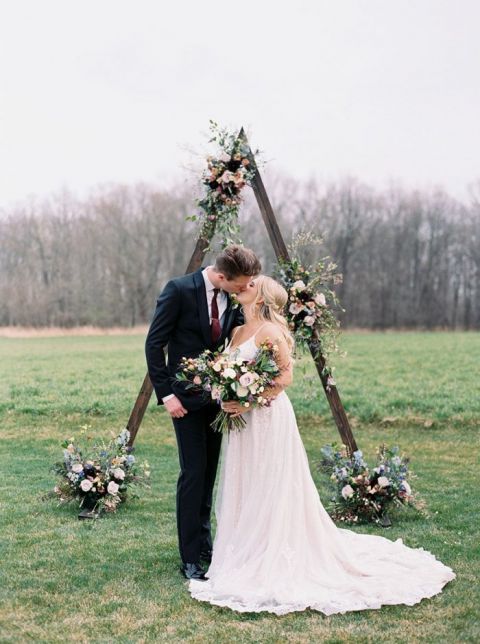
[[312, 302], [99, 477], [227, 376], [364, 494], [226, 175]]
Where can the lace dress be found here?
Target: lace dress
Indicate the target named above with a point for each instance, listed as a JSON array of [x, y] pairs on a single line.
[[276, 549]]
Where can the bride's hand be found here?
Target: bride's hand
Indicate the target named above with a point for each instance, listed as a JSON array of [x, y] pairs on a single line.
[[234, 408]]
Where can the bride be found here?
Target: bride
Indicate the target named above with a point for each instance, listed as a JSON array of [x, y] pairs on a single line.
[[276, 548]]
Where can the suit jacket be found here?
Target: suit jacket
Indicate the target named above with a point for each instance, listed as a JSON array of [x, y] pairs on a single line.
[[181, 322]]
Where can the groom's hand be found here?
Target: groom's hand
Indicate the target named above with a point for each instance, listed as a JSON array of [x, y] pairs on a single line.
[[175, 407]]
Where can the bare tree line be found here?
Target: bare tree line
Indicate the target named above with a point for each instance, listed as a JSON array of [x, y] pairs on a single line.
[[409, 259]]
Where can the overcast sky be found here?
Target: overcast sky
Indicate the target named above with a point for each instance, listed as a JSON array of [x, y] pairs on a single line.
[[110, 90]]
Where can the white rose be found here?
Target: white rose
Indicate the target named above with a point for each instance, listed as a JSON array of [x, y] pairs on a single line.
[[406, 487], [309, 320], [226, 177], [112, 488], [229, 373], [242, 391], [77, 468], [295, 308], [217, 366], [383, 481], [118, 473], [86, 485], [320, 299], [246, 379], [347, 491], [299, 285], [224, 157]]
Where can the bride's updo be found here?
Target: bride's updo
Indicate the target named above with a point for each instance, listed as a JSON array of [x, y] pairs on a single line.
[[270, 305]]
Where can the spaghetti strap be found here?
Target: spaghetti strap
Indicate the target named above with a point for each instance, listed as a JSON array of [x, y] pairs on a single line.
[[252, 337]]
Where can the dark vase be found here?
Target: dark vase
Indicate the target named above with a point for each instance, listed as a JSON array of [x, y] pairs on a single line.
[[385, 521], [88, 510]]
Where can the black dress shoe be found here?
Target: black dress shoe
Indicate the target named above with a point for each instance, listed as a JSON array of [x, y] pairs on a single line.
[[193, 571], [206, 556]]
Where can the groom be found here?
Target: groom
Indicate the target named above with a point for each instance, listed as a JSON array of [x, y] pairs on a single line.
[[194, 313]]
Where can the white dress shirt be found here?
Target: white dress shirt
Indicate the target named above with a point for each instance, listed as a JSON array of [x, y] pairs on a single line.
[[222, 303], [221, 297]]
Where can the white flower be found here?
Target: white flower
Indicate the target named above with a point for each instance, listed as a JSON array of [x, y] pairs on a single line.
[[383, 481], [226, 177], [216, 392], [112, 488], [246, 379], [224, 157], [118, 473], [295, 308], [309, 320], [320, 299], [228, 373], [299, 285], [247, 404], [347, 491], [242, 391], [86, 485], [77, 468], [217, 366], [406, 487]]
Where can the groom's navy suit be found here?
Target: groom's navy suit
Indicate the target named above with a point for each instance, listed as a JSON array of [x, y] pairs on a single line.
[[181, 322]]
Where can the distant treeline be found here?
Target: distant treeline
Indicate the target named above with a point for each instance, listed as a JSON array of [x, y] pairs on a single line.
[[409, 259]]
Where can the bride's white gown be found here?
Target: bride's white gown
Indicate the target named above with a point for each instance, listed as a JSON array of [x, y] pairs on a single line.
[[276, 548]]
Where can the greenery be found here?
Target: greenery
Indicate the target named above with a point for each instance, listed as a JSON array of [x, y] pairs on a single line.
[[117, 579]]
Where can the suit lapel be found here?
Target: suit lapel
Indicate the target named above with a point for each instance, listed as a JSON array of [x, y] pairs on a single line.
[[201, 294]]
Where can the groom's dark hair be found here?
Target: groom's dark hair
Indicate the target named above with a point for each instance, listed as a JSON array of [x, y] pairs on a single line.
[[236, 260]]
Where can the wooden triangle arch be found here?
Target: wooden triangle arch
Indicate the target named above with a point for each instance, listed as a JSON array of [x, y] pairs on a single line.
[[281, 252]]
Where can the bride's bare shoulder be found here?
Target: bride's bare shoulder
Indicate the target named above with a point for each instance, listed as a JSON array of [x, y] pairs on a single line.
[[268, 330]]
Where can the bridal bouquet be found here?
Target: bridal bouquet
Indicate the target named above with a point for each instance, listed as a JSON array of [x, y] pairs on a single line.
[[226, 376], [99, 476]]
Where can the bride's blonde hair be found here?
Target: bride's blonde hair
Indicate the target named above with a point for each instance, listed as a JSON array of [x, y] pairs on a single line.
[[270, 304]]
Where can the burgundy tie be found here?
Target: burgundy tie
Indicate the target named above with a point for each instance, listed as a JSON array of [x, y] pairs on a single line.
[[215, 326]]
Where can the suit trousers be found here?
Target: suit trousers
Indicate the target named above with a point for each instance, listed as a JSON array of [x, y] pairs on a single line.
[[198, 450]]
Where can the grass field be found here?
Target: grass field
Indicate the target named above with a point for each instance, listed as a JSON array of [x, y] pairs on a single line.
[[117, 579]]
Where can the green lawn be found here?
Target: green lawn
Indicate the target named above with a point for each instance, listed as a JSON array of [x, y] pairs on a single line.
[[117, 579]]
